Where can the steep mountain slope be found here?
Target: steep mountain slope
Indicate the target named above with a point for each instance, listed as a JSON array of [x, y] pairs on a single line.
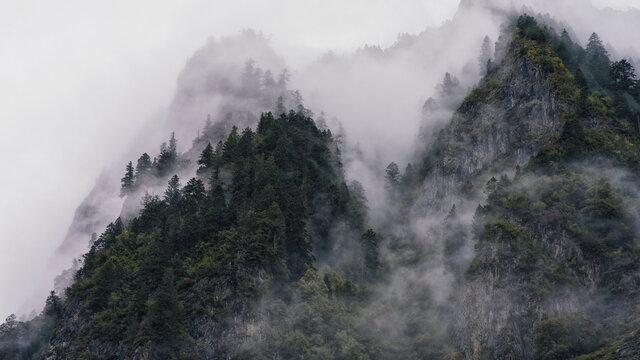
[[509, 117], [555, 271], [184, 276], [226, 82], [265, 252]]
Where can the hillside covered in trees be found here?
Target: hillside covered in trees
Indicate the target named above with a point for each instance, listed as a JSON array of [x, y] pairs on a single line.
[[513, 234]]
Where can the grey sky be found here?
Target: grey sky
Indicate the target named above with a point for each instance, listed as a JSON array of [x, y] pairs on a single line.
[[79, 79]]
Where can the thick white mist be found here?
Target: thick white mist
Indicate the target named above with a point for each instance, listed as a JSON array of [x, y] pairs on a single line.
[[80, 81]]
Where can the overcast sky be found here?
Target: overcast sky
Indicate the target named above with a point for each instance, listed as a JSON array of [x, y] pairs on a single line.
[[78, 79]]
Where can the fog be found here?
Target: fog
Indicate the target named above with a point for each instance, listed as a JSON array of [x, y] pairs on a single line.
[[80, 82]]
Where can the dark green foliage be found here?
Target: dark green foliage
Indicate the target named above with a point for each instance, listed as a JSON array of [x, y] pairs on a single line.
[[551, 338], [143, 167], [528, 27], [597, 60], [28, 340], [165, 315], [229, 146], [369, 243], [562, 338], [573, 138], [108, 237], [253, 216], [127, 181], [207, 159], [570, 206], [167, 160], [173, 195], [320, 324], [623, 76], [265, 201], [552, 198]]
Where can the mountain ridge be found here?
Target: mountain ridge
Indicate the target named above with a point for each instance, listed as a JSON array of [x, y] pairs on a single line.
[[267, 252]]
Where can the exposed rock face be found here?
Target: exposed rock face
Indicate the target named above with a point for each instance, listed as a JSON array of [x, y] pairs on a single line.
[[507, 119], [628, 348], [510, 117]]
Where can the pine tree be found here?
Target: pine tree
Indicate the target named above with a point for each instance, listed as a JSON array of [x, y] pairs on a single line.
[[371, 256], [217, 215], [53, 305], [565, 38], [598, 60], [207, 160], [623, 76], [173, 195], [280, 108], [143, 166], [268, 81], [299, 256], [193, 194], [283, 79], [105, 280], [251, 78], [486, 54], [127, 181], [273, 220], [230, 145], [245, 144], [173, 146], [392, 176], [163, 321], [168, 156], [408, 175]]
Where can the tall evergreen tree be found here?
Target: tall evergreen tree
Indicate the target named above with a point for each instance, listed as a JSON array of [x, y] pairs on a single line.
[[486, 54], [168, 156], [127, 181], [143, 166], [392, 176], [299, 256], [173, 195], [193, 194], [251, 78], [371, 256], [598, 60], [230, 145], [623, 76], [207, 160], [163, 322], [565, 38], [283, 79], [267, 80]]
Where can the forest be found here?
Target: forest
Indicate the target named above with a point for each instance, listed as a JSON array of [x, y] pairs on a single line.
[[268, 251]]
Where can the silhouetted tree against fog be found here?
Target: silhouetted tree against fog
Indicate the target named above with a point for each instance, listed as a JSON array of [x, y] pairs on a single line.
[[267, 80], [143, 167], [623, 76], [392, 177], [168, 156], [127, 181], [371, 256], [283, 79], [173, 194], [598, 60], [206, 160], [486, 54]]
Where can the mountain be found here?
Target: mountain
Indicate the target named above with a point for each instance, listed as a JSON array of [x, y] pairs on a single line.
[[512, 234]]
